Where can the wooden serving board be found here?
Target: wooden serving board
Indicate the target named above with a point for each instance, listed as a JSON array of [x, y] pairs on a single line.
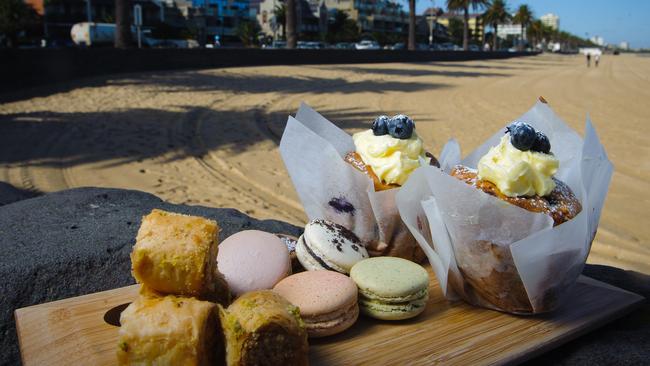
[[73, 331]]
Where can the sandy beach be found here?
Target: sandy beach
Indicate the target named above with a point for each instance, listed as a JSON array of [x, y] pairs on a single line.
[[211, 137]]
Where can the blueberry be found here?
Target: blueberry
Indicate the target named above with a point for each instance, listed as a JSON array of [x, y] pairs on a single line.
[[541, 144], [522, 135], [401, 127], [380, 125]]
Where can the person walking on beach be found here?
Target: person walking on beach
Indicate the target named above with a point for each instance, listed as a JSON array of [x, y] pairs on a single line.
[[588, 59], [596, 59]]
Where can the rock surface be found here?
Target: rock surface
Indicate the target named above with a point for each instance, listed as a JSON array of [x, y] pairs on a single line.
[[78, 241]]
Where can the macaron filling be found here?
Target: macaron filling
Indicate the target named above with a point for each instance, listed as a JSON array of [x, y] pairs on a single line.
[[422, 294], [318, 259], [332, 320], [393, 306]]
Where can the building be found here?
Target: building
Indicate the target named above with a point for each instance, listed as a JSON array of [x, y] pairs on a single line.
[[509, 29], [266, 18], [311, 19], [598, 40], [37, 5], [551, 20], [435, 31], [475, 24], [373, 16], [255, 6], [625, 46], [222, 17], [60, 15]]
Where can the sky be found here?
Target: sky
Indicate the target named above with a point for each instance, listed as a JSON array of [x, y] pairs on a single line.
[[614, 20]]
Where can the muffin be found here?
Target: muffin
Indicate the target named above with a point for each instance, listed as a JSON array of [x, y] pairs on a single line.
[[388, 153], [519, 170]]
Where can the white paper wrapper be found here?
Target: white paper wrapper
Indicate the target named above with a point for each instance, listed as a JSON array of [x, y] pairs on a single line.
[[313, 150], [495, 254]]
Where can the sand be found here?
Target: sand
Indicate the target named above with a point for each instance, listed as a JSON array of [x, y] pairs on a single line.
[[211, 137]]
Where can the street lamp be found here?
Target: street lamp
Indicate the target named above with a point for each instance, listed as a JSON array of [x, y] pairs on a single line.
[[431, 27]]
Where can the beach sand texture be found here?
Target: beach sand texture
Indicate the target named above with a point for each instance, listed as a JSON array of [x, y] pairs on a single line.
[[211, 137]]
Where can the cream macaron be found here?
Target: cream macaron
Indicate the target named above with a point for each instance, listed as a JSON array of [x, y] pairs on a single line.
[[327, 300], [329, 246], [391, 288]]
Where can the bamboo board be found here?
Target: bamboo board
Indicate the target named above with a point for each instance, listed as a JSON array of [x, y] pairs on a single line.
[[73, 331]]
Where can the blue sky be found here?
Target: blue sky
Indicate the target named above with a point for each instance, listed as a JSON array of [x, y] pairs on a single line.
[[615, 21]]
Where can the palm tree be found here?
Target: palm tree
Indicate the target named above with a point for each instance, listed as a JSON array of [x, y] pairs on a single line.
[[523, 16], [495, 14], [290, 15], [535, 31], [122, 26], [280, 17], [412, 25], [464, 5]]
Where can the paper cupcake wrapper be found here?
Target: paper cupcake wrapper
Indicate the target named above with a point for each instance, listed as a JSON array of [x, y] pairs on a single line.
[[313, 150], [498, 255]]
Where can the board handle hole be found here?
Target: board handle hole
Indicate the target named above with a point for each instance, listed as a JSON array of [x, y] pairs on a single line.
[[112, 316]]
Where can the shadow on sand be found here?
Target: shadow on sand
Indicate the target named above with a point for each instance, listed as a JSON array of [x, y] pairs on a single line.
[[68, 139], [61, 139], [227, 80], [421, 71], [10, 194]]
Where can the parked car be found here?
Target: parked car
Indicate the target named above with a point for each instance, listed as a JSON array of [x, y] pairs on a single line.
[[310, 45], [276, 44], [367, 45], [474, 48], [344, 46], [398, 46], [447, 46]]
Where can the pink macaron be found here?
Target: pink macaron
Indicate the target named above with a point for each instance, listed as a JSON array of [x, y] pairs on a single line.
[[253, 260], [327, 300]]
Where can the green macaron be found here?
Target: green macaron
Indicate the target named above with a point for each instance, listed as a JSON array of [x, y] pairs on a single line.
[[391, 288]]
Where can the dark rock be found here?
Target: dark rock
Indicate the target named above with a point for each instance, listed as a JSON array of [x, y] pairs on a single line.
[[77, 242]]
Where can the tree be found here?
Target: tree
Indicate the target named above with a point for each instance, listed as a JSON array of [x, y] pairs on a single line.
[[497, 13], [464, 5], [456, 30], [290, 15], [122, 26], [15, 17], [247, 32], [523, 16], [342, 28], [411, 45], [280, 12]]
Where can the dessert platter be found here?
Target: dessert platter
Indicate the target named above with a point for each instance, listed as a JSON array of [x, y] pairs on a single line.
[[407, 259]]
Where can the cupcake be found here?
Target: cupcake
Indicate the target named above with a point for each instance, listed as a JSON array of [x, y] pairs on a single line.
[[510, 226], [519, 170], [352, 180], [388, 153]]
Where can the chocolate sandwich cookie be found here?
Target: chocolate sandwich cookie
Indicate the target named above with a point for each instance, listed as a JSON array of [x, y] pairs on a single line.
[[330, 246]]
